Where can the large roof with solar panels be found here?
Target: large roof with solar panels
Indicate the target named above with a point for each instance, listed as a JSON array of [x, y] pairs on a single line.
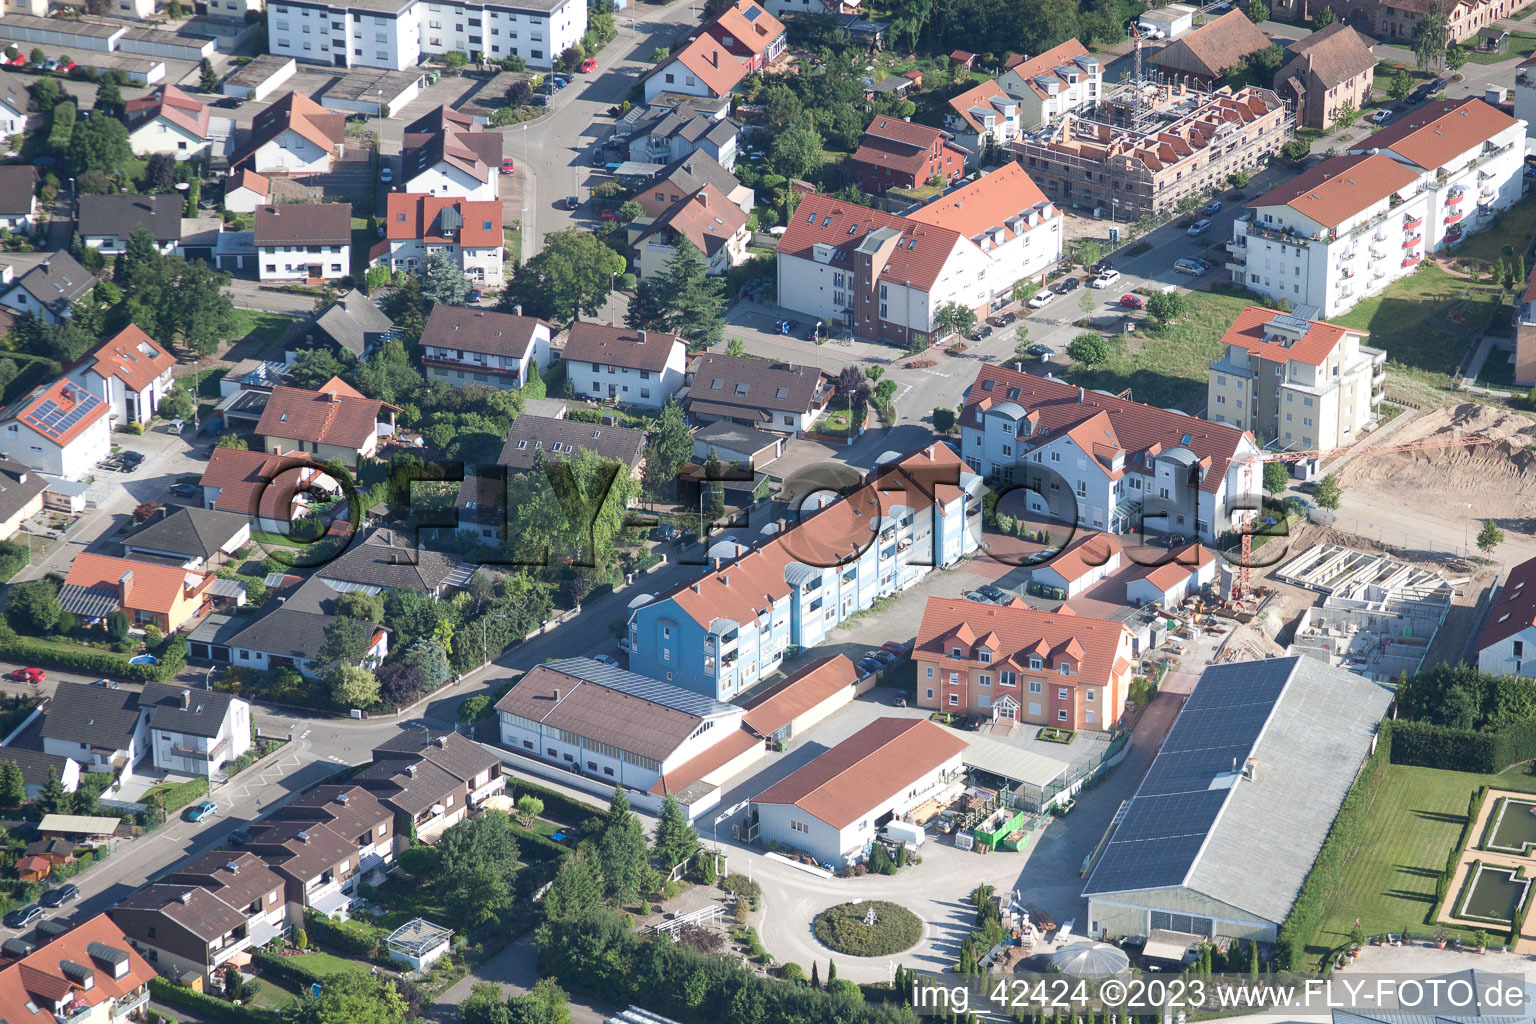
[[59, 411], [1242, 793]]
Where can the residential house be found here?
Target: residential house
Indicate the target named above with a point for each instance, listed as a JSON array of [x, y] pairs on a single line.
[[676, 127], [431, 779], [336, 422], [833, 806], [18, 196], [386, 560], [712, 223], [1107, 463], [167, 120], [291, 636], [50, 289], [195, 732], [722, 633], [780, 397], [1506, 645], [751, 34], [1019, 664], [781, 8], [1352, 225], [354, 323], [400, 34], [531, 438], [1309, 384], [463, 346], [271, 489], [130, 372], [99, 727], [147, 592], [37, 769], [1062, 78], [616, 364], [309, 243], [469, 232], [318, 866], [107, 222], [685, 176], [1327, 72], [480, 507], [899, 154], [1210, 52], [58, 429], [21, 495], [244, 190], [732, 442], [616, 726], [983, 119], [13, 104], [192, 538], [295, 135], [448, 155], [700, 68], [884, 276], [87, 975], [1398, 21], [349, 811]]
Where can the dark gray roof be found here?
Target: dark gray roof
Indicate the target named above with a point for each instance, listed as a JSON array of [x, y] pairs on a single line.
[[390, 561], [1196, 823], [300, 849], [202, 715], [57, 281], [753, 385], [696, 170], [480, 330], [100, 716], [460, 757], [239, 878], [18, 486], [348, 809], [193, 907], [530, 435], [286, 632], [482, 499], [18, 185], [737, 438], [34, 764], [411, 794], [308, 224], [13, 92], [354, 321], [193, 532], [121, 215]]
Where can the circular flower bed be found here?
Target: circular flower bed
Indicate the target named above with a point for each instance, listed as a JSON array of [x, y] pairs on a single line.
[[845, 928]]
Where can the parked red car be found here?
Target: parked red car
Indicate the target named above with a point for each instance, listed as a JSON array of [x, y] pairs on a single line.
[[508, 166], [589, 65], [610, 215], [27, 675], [1132, 301]]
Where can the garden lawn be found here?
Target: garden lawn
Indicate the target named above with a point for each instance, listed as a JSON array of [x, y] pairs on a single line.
[[839, 423], [327, 965], [1521, 44], [1168, 371], [260, 329], [1423, 321], [1512, 228], [1412, 819]]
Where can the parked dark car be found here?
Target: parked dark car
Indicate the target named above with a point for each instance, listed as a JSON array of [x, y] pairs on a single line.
[[186, 490], [240, 836], [54, 898], [1002, 319], [571, 202], [785, 326], [131, 458], [1067, 284], [666, 532], [993, 593], [869, 666], [23, 917], [981, 331], [1101, 266]]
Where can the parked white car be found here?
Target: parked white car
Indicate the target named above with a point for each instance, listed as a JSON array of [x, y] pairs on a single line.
[[1105, 280], [1199, 227], [1041, 300]]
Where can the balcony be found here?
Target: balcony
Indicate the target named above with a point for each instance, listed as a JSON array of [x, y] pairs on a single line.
[[1412, 240], [1455, 196], [1413, 222], [1285, 237], [234, 946], [130, 1002], [1346, 273], [1378, 253], [1236, 263], [1455, 216], [1413, 261]]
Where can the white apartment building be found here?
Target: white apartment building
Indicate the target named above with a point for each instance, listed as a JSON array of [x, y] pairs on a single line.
[[638, 368], [1107, 463], [1047, 86], [195, 732], [308, 243], [469, 232], [1305, 383], [1352, 225], [983, 117], [883, 275], [396, 34]]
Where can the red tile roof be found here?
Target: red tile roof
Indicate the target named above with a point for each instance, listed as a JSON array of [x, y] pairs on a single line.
[[1313, 348], [133, 357], [718, 756], [65, 395], [300, 114], [1087, 552], [1338, 189], [246, 178], [1016, 632], [1054, 407], [337, 414], [39, 974], [749, 24], [981, 95], [175, 106], [890, 141], [1180, 564], [258, 483], [1214, 47], [156, 587], [807, 688], [918, 258], [1063, 54], [1438, 132], [997, 201], [865, 770], [715, 67], [1515, 607], [705, 217], [413, 215]]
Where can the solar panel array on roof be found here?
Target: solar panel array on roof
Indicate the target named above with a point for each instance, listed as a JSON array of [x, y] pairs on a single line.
[[53, 419], [1166, 824], [653, 690]]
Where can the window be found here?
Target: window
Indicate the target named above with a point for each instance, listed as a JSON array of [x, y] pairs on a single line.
[[930, 693], [1061, 693], [954, 700], [985, 657], [799, 826], [930, 671], [1061, 715], [1035, 686]]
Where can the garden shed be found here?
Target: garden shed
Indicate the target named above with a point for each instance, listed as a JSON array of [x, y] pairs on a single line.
[[419, 943]]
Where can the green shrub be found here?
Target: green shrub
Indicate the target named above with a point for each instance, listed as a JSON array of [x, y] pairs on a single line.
[[206, 1007], [528, 841], [842, 928], [557, 806], [355, 938]]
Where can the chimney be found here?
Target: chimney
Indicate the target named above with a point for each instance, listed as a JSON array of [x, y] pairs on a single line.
[[1080, 395], [185, 897], [333, 396], [1251, 769], [186, 699], [703, 197], [557, 693], [640, 334], [410, 770], [717, 64], [304, 838], [125, 586], [341, 798], [21, 478], [232, 866], [517, 310]]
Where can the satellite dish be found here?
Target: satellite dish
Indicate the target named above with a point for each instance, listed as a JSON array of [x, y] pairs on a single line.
[[642, 599]]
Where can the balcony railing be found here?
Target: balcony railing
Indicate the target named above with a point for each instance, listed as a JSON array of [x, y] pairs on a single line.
[[1455, 216], [130, 1002], [1412, 240], [1412, 260], [1413, 223]]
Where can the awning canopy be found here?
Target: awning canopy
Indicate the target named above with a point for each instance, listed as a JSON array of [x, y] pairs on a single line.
[[1166, 945]]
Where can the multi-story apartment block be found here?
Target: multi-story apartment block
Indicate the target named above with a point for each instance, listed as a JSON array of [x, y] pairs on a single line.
[[639, 368], [1305, 383], [469, 232], [1021, 664], [481, 346], [983, 118], [1189, 143], [1047, 86], [1352, 225], [722, 633], [1104, 462], [309, 243], [884, 276], [396, 34], [1399, 20]]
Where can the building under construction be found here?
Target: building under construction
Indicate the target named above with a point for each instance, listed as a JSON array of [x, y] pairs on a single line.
[[1378, 614], [1149, 143]]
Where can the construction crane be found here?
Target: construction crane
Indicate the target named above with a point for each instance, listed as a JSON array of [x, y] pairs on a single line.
[[1428, 444]]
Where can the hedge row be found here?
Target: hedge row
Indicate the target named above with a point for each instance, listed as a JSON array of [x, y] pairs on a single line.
[[206, 1007], [557, 806], [1427, 745], [1453, 858], [355, 938], [22, 651], [527, 837], [1307, 912]]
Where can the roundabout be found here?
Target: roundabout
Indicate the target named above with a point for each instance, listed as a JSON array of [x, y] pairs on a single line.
[[868, 928]]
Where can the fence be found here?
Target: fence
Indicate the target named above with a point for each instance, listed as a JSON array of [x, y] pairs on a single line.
[[1036, 799]]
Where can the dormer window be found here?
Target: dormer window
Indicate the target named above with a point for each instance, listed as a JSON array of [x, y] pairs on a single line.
[[985, 657], [1034, 663], [955, 652], [1066, 668]]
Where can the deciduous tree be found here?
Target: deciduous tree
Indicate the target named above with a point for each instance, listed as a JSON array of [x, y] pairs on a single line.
[[353, 686], [1276, 477], [570, 276], [1328, 492]]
